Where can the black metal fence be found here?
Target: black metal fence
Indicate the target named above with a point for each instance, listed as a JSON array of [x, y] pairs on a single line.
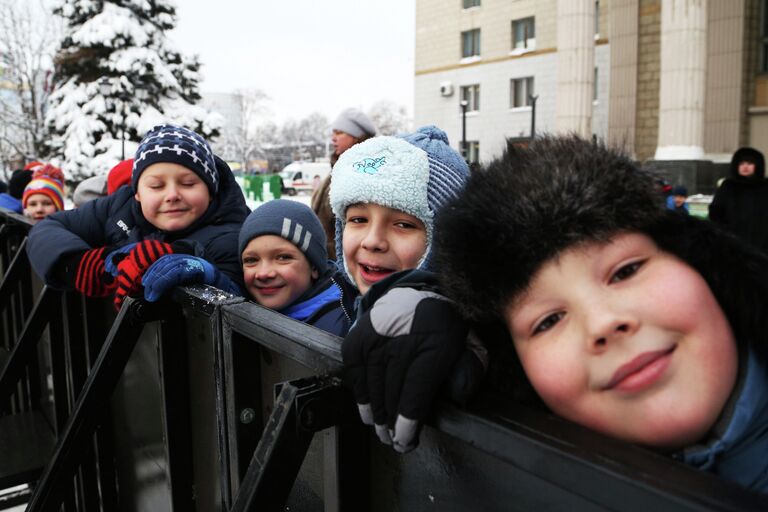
[[209, 402]]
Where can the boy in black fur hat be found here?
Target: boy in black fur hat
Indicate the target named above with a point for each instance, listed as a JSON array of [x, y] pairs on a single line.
[[627, 318]]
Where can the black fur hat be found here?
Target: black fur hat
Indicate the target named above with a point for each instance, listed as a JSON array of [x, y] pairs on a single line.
[[736, 272], [531, 204]]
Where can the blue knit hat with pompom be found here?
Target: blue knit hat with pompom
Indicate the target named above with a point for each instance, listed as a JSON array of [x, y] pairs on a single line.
[[417, 173]]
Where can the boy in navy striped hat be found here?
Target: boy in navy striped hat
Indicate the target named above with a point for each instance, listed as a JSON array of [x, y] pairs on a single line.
[[286, 268], [180, 217]]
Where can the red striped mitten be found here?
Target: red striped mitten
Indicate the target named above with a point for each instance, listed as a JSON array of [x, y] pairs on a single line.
[[91, 280], [132, 267]]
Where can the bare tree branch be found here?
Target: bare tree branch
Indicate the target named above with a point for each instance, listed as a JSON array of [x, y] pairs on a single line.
[[29, 33]]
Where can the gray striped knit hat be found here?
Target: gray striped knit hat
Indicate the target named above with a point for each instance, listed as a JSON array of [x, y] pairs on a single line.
[[417, 173], [292, 220], [176, 144]]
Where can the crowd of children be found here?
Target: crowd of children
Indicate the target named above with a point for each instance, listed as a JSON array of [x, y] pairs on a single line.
[[625, 316]]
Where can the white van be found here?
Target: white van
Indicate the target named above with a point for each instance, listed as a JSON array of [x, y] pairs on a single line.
[[304, 176]]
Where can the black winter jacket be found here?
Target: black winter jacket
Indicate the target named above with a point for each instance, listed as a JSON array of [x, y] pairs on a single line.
[[740, 204], [117, 220]]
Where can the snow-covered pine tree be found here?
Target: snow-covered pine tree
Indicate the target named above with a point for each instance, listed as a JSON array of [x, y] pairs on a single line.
[[121, 43]]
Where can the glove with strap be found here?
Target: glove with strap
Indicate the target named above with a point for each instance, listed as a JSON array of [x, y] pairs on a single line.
[[399, 356], [178, 269]]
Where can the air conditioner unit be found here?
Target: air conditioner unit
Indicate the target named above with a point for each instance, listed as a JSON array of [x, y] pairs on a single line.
[[446, 89]]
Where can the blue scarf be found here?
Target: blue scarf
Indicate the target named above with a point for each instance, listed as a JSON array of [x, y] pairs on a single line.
[[305, 309]]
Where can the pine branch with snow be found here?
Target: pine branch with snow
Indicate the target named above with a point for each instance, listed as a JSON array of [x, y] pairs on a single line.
[[117, 75]]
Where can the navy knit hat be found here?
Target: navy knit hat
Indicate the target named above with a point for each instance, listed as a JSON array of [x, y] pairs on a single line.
[[20, 178], [294, 221], [176, 144], [417, 173]]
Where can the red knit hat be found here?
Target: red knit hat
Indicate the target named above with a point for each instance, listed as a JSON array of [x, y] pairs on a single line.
[[47, 186], [48, 171], [31, 166], [119, 175]]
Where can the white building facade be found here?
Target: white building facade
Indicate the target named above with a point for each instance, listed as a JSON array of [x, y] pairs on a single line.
[[665, 79]]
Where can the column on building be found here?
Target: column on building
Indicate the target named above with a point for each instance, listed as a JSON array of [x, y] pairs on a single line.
[[723, 112], [622, 101], [683, 80], [576, 65]]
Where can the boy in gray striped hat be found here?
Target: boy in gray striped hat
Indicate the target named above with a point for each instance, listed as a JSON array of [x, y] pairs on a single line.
[[285, 265]]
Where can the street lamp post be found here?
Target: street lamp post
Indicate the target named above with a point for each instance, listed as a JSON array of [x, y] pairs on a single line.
[[463, 104], [105, 88], [533, 114], [141, 95]]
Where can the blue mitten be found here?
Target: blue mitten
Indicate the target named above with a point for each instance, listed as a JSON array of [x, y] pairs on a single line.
[[115, 256], [177, 269]]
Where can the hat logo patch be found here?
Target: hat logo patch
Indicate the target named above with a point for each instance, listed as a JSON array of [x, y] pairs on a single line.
[[370, 165]]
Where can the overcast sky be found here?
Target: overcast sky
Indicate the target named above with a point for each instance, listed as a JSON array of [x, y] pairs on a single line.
[[307, 55]]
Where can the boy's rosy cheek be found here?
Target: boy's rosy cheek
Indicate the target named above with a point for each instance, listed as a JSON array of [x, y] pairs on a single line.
[[553, 383]]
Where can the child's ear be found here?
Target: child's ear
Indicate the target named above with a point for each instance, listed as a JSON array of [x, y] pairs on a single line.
[[136, 197], [315, 273]]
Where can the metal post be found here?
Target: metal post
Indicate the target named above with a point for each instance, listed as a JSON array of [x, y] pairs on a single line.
[[533, 114], [464, 104], [123, 130]]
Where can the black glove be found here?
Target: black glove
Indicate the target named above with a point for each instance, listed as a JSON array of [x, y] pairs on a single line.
[[398, 357]]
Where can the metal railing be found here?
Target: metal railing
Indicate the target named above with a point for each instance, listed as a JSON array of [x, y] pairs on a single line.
[[206, 401]]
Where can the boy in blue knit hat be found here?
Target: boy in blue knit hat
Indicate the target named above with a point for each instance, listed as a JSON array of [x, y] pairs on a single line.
[[184, 205], [386, 194], [286, 267]]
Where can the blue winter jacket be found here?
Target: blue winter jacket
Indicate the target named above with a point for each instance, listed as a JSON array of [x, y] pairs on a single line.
[[738, 450], [9, 202], [321, 305], [117, 220]]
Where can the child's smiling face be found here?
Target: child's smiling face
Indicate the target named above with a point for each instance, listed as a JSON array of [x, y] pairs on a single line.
[[172, 196], [628, 340], [379, 241], [39, 206], [275, 271]]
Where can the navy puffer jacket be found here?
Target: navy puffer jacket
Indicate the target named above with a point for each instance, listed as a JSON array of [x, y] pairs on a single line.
[[117, 220]]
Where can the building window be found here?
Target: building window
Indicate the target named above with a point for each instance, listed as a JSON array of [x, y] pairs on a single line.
[[470, 3], [470, 43], [524, 34], [597, 17], [520, 92], [764, 39], [471, 94], [473, 152], [594, 89]]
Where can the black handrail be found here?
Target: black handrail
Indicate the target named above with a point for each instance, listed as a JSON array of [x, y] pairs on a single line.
[[25, 348], [94, 397], [497, 455]]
